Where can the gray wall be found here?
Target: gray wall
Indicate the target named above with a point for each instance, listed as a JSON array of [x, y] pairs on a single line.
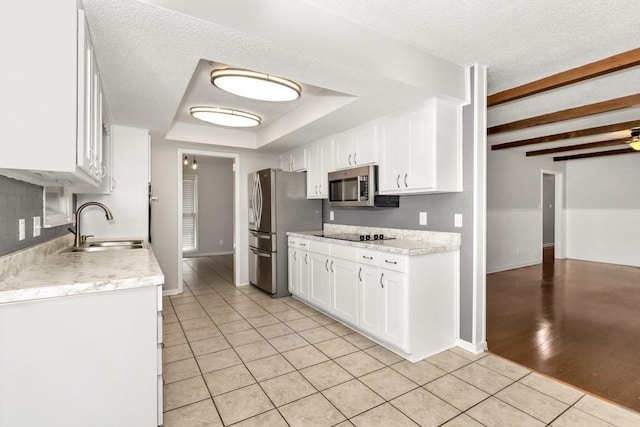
[[548, 211], [440, 210], [22, 200]]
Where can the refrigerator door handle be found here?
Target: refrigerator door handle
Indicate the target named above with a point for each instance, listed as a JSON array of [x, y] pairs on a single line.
[[261, 254], [259, 201]]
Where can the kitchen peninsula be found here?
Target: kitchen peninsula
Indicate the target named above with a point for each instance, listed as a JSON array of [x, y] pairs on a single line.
[[401, 292]]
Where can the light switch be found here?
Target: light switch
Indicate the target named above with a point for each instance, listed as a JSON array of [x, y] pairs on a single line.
[[21, 232], [423, 218], [331, 216], [36, 226], [457, 220]]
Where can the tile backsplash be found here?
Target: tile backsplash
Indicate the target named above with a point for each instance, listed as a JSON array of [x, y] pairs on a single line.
[[20, 200]]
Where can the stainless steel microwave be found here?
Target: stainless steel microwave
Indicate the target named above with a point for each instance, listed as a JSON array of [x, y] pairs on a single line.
[[358, 187]]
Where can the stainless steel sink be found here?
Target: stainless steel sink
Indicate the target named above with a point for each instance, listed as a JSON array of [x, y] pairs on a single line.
[[115, 243], [108, 245]]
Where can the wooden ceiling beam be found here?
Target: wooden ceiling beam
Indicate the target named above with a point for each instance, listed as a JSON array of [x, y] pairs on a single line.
[[586, 146], [598, 154], [594, 69], [568, 114], [568, 135]]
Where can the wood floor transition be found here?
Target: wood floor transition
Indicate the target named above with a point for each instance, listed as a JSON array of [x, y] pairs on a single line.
[[577, 321]]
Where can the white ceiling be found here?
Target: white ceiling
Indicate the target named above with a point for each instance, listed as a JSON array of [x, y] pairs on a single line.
[[374, 56]]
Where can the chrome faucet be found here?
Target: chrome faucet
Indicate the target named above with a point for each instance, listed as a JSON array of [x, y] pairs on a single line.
[[80, 239]]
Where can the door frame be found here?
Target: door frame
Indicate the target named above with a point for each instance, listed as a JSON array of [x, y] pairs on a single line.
[[558, 217], [236, 200]]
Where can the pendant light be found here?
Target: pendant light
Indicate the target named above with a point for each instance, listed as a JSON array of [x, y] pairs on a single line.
[[194, 166], [185, 161], [254, 85], [225, 116]]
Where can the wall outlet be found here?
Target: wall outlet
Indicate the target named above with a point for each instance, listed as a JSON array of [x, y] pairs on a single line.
[[331, 216], [221, 242], [36, 226], [21, 232], [457, 220], [423, 218]]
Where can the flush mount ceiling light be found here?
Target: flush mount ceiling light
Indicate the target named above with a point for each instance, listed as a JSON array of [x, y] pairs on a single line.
[[634, 142], [225, 117], [251, 84]]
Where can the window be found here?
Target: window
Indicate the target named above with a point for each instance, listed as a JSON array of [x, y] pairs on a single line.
[[189, 213]]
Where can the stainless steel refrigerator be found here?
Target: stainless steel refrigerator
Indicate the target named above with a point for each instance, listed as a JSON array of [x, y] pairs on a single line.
[[277, 204]]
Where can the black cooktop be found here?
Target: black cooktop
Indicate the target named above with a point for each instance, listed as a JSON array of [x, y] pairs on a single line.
[[353, 237]]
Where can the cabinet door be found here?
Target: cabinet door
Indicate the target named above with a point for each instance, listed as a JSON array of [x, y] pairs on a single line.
[[314, 165], [298, 160], [285, 162], [86, 105], [366, 144], [344, 147], [370, 298], [304, 264], [325, 153], [395, 309], [393, 146], [294, 271], [344, 283], [320, 280], [420, 156]]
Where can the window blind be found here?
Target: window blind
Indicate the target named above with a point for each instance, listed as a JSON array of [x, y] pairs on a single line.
[[189, 213]]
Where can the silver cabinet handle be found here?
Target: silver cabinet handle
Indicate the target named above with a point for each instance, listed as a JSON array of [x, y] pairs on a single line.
[[354, 158], [326, 264], [316, 189], [295, 256], [360, 274], [306, 258], [320, 189], [405, 180], [331, 267], [390, 262], [349, 159], [367, 257], [303, 244], [381, 276], [398, 180]]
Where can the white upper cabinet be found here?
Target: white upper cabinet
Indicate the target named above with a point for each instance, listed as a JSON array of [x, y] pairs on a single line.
[[294, 161], [318, 165], [52, 122], [356, 147], [421, 149]]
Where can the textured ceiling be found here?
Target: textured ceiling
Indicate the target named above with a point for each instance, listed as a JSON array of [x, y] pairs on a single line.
[[381, 52]]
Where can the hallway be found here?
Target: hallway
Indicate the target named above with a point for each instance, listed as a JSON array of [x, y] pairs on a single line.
[[573, 320]]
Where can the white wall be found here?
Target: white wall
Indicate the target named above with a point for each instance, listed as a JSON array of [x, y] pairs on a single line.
[[514, 215], [129, 201], [215, 204], [164, 173], [603, 209]]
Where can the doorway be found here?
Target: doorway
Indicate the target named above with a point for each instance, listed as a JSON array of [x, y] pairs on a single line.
[[552, 221], [207, 211]]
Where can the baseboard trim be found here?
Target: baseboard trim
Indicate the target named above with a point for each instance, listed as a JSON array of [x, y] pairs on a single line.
[[473, 348], [170, 292], [514, 266]]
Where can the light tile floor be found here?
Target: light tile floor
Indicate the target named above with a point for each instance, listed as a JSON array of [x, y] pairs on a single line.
[[234, 356]]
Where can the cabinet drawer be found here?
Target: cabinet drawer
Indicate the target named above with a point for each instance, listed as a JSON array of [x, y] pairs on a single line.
[[344, 252], [160, 298], [160, 402], [160, 359], [319, 247], [293, 242], [393, 262], [303, 244], [369, 257]]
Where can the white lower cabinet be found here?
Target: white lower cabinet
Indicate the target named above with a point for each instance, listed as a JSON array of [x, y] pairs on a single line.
[[82, 360], [405, 303], [344, 289]]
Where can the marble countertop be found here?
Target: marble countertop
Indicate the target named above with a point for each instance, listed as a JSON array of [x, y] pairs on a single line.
[[396, 245], [65, 274]]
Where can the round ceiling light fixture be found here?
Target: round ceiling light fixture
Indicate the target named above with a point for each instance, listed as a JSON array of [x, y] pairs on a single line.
[[254, 85], [225, 117], [634, 142]]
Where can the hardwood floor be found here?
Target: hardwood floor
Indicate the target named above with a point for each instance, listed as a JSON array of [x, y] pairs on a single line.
[[573, 320]]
